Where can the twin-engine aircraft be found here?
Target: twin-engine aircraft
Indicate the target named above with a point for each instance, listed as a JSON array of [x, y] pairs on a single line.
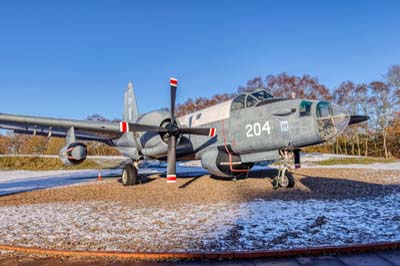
[[228, 137]]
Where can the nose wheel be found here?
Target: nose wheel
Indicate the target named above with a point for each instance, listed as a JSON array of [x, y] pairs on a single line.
[[285, 178]]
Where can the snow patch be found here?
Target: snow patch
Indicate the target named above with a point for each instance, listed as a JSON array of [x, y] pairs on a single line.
[[20, 181], [255, 225]]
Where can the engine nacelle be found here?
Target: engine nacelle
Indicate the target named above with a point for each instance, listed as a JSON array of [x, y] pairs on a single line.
[[218, 163], [73, 154], [154, 144]]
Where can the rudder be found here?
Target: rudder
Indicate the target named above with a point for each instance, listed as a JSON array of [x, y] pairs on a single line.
[[131, 112]]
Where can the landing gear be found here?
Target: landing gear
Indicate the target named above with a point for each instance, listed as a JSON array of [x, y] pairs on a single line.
[[130, 175], [284, 178]]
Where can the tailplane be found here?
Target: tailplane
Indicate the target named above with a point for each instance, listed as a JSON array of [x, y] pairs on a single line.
[[131, 112]]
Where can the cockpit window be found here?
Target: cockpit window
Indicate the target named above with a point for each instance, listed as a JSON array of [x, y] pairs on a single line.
[[323, 110], [238, 103], [250, 101], [325, 121], [262, 95], [305, 108]]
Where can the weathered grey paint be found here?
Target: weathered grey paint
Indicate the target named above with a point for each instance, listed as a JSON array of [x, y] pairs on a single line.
[[131, 112]]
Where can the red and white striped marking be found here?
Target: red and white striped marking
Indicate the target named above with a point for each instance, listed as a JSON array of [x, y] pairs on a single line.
[[171, 178], [213, 132], [124, 127], [173, 82]]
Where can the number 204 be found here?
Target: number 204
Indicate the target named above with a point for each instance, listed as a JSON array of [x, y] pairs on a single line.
[[255, 130]]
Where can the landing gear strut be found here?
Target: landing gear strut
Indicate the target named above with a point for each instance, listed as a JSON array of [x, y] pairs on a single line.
[[284, 178], [130, 175]]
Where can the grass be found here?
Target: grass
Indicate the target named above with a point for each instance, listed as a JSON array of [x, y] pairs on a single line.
[[362, 160], [42, 164]]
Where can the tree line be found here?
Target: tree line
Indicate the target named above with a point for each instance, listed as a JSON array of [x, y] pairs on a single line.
[[379, 99]]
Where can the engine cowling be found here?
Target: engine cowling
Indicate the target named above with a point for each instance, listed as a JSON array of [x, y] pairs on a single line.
[[218, 163], [154, 144], [73, 154]]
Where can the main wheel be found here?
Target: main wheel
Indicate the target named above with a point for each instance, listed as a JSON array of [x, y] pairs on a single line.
[[129, 175], [286, 179]]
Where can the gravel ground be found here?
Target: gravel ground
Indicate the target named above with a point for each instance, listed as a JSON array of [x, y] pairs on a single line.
[[155, 193], [326, 207]]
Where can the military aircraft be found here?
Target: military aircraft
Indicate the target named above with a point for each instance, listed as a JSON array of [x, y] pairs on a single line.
[[228, 137]]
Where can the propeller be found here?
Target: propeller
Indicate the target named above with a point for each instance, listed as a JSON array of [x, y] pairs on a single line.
[[172, 130]]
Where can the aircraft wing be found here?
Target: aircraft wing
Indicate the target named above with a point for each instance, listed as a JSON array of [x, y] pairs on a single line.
[[84, 130]]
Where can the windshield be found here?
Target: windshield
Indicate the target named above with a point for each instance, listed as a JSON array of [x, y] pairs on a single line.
[[261, 95], [238, 103], [250, 101]]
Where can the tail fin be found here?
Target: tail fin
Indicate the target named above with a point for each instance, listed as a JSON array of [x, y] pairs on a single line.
[[131, 112]]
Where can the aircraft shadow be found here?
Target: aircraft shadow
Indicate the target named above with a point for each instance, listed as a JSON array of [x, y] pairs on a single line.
[[306, 186], [263, 173], [317, 187]]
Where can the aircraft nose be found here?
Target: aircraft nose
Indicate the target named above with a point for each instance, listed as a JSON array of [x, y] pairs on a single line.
[[341, 117], [332, 120]]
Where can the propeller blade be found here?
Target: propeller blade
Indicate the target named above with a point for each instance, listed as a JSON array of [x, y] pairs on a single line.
[[171, 167], [212, 132], [133, 127], [173, 82]]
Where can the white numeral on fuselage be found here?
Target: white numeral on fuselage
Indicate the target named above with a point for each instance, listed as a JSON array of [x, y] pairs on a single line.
[[255, 130]]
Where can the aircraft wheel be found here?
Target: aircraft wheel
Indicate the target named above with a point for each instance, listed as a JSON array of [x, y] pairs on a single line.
[[286, 179], [129, 175]]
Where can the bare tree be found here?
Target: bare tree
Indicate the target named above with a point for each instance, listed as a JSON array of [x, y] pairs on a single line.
[[385, 100], [283, 85], [345, 95], [256, 83], [393, 76], [17, 143], [4, 144], [364, 104], [199, 103]]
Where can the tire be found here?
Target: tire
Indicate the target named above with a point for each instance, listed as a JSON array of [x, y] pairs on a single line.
[[129, 175], [287, 181]]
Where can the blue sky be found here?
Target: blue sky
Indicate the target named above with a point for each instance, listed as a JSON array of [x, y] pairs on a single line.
[[73, 58]]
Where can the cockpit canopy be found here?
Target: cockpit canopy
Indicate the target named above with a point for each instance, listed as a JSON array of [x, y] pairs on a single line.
[[249, 99]]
